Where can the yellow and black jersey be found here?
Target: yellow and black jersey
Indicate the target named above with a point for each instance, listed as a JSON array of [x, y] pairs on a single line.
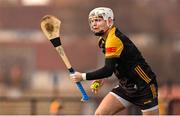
[[124, 60], [137, 82]]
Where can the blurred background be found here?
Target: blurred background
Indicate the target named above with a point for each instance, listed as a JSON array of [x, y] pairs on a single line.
[[34, 80]]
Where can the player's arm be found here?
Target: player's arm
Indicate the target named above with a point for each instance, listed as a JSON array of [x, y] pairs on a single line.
[[103, 72]]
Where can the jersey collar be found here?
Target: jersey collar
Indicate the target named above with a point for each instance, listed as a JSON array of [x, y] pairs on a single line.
[[108, 32]]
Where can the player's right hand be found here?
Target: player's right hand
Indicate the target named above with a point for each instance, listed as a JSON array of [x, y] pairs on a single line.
[[76, 77], [96, 85]]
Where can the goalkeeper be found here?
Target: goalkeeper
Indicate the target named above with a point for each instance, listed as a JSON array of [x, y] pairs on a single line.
[[137, 82]]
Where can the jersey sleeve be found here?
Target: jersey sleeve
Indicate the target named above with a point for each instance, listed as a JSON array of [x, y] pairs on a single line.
[[113, 47], [103, 72]]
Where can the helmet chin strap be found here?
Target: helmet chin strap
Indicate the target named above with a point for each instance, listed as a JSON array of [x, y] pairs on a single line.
[[100, 33]]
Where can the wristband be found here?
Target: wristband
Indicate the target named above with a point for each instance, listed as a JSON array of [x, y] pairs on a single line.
[[84, 76]]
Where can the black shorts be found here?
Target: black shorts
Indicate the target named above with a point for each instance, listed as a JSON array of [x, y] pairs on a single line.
[[145, 98]]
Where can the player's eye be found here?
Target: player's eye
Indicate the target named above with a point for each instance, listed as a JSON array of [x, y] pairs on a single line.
[[95, 20], [98, 20]]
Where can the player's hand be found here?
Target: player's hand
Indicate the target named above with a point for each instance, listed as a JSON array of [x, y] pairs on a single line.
[[76, 77], [96, 85]]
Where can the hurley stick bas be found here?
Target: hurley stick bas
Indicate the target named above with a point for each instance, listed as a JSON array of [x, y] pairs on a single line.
[[50, 26]]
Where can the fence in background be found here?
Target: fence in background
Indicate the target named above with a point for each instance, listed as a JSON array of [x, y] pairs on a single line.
[[70, 106]]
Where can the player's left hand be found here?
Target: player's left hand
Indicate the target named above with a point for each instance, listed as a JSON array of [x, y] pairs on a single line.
[[76, 77], [96, 85]]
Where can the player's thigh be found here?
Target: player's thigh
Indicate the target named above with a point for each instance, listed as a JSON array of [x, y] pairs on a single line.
[[109, 105]]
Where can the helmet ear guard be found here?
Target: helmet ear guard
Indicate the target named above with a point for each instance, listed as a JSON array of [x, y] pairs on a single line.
[[110, 23]]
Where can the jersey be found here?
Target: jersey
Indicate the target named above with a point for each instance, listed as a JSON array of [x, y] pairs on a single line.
[[137, 82], [134, 74]]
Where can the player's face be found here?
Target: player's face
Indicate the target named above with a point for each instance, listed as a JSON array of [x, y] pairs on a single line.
[[98, 24]]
